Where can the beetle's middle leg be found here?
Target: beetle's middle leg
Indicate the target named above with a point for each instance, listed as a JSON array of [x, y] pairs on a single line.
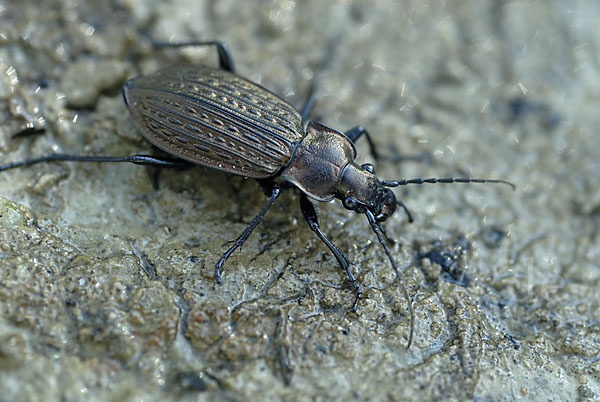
[[274, 194], [310, 214], [356, 132]]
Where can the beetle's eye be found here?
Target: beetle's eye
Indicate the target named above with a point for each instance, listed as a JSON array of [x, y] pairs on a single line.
[[368, 167], [350, 203]]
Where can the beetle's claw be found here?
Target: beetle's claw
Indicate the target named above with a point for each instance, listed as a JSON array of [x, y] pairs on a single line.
[[356, 299], [218, 273]]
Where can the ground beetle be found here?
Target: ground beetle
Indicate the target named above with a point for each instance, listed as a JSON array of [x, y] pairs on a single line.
[[217, 119]]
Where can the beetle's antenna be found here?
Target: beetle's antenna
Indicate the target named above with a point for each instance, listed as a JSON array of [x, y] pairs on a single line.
[[377, 231], [396, 183]]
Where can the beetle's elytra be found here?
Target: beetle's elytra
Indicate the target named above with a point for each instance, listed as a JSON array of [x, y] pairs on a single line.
[[217, 119]]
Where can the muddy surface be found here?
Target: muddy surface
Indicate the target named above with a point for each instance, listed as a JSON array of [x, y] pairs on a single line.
[[106, 271]]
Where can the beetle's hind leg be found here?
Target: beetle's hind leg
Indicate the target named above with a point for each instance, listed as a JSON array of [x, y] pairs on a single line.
[[274, 194], [225, 59], [310, 214], [155, 161], [311, 97]]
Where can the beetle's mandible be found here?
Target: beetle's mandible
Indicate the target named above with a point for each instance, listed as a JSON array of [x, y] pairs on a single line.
[[217, 119]]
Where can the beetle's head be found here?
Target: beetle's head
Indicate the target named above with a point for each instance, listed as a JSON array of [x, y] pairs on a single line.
[[360, 190]]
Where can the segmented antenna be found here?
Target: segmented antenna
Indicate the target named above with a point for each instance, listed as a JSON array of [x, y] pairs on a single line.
[[377, 229], [396, 183]]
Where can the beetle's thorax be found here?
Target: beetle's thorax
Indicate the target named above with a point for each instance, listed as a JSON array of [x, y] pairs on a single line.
[[319, 162]]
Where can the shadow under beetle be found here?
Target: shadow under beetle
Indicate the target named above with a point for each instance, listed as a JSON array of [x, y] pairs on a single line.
[[217, 119]]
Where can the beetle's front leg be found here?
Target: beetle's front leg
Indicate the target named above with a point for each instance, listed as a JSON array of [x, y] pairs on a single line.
[[310, 214]]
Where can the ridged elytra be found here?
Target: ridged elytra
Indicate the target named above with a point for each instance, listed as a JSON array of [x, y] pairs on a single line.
[[217, 119]]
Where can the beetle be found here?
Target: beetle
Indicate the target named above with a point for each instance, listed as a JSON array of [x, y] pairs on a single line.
[[214, 118]]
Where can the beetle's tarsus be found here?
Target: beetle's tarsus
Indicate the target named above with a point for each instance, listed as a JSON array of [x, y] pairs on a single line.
[[358, 297]]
